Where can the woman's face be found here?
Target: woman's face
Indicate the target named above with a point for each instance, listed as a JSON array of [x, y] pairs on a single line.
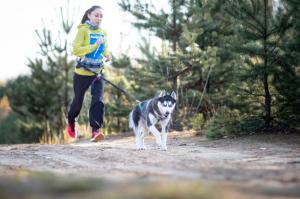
[[96, 16]]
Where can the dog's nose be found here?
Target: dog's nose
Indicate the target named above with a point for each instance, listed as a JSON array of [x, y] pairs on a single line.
[[167, 113]]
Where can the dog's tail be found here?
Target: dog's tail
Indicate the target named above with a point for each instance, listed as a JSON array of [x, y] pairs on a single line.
[[131, 122]]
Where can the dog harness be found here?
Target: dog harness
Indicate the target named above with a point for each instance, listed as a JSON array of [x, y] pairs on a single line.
[[146, 107], [142, 105]]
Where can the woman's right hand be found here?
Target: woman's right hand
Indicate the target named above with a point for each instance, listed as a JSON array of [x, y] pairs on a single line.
[[100, 40]]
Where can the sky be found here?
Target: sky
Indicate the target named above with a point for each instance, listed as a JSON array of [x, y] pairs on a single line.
[[20, 19]]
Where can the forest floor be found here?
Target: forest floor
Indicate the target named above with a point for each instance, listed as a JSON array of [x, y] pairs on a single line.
[[257, 166]]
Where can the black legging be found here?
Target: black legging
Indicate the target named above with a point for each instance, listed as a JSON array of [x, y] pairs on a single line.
[[81, 83]]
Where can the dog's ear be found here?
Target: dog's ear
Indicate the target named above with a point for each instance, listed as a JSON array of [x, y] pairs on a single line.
[[162, 93], [173, 94]]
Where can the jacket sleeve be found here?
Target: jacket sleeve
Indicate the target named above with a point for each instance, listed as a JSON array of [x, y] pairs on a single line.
[[79, 49]]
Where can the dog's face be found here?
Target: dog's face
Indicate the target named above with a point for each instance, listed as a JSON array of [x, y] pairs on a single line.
[[166, 102]]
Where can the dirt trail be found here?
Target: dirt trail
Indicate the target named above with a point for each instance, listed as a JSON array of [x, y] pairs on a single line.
[[262, 164]]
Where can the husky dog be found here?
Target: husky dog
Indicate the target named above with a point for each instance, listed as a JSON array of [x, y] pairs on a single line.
[[147, 114]]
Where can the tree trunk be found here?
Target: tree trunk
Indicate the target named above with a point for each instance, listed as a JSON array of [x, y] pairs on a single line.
[[174, 26], [267, 102], [265, 76], [176, 123]]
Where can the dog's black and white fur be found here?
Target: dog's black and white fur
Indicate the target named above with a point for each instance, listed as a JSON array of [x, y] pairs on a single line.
[[147, 114]]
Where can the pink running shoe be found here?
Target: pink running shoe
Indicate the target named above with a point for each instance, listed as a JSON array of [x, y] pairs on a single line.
[[97, 136], [71, 130]]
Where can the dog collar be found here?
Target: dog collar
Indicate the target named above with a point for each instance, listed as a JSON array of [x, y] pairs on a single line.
[[160, 117]]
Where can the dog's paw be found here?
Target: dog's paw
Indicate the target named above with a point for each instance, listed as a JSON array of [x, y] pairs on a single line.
[[141, 148], [164, 148]]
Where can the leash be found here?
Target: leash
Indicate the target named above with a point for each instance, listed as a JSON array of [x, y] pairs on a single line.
[[100, 76]]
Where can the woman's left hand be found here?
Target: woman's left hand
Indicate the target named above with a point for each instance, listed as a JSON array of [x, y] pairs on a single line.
[[107, 58]]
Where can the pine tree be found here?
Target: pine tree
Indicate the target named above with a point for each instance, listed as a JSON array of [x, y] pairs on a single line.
[[45, 96], [165, 26], [288, 85], [196, 44], [259, 39], [117, 109], [23, 126]]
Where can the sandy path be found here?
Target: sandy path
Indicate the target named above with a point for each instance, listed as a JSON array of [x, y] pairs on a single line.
[[261, 163]]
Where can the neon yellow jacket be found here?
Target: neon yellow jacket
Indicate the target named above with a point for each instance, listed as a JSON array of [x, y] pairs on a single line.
[[83, 45]]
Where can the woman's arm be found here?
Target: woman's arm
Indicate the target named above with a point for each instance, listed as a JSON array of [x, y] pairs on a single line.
[[78, 44]]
